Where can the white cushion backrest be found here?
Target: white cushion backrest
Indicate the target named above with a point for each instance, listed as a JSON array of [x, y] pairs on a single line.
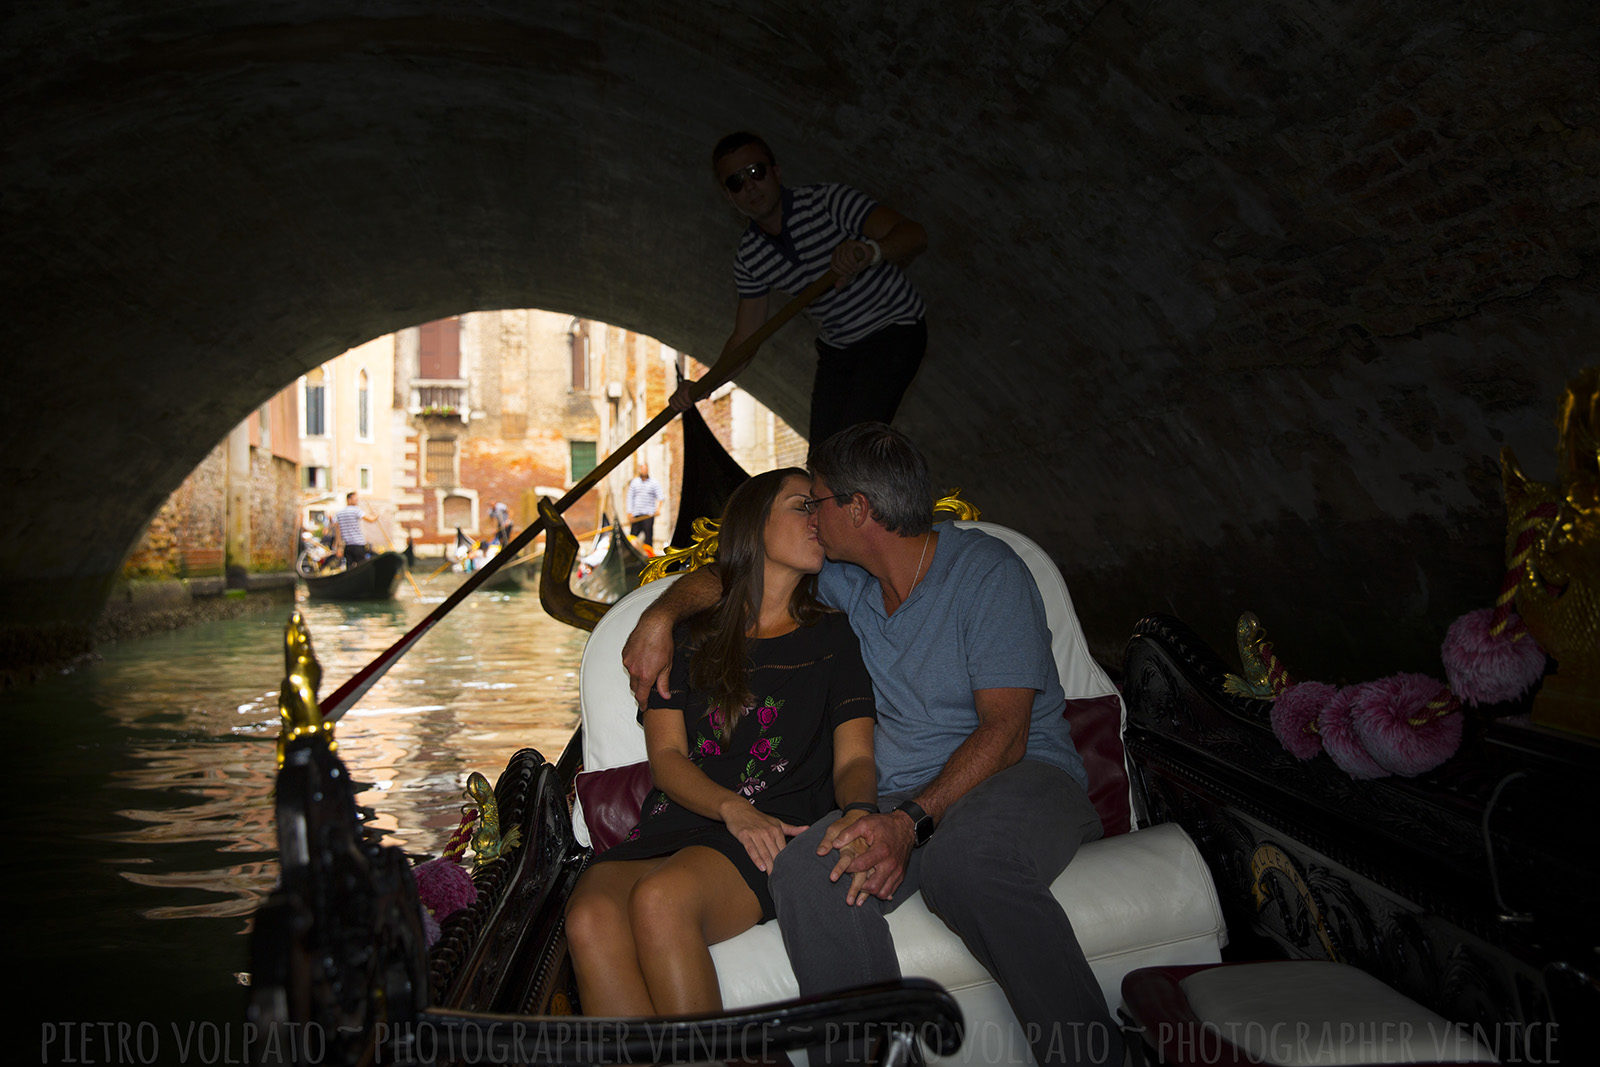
[[611, 733], [1081, 676]]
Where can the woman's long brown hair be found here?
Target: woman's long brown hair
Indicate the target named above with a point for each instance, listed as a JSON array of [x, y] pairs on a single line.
[[721, 665]]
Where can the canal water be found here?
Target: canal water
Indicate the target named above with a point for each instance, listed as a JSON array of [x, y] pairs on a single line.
[[138, 793]]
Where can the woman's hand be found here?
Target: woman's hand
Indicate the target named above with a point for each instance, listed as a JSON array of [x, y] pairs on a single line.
[[762, 835]]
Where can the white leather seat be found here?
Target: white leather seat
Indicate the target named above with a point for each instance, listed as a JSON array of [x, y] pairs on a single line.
[[1135, 900]]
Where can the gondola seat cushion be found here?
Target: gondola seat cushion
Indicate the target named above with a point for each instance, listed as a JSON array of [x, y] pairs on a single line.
[[1135, 899]]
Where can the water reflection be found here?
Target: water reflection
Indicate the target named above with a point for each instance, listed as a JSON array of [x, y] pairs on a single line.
[[139, 788]]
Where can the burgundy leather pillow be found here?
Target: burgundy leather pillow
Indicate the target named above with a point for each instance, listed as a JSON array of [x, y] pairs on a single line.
[[611, 801], [1097, 733]]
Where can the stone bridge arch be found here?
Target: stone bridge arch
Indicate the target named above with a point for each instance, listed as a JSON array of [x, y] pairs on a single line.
[[1233, 306]]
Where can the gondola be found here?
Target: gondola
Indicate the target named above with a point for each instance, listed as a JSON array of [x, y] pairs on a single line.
[[614, 574], [374, 578], [503, 957], [1465, 887], [521, 573]]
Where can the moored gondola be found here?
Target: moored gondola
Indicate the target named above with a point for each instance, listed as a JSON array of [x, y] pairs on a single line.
[[615, 573], [374, 578], [520, 573]]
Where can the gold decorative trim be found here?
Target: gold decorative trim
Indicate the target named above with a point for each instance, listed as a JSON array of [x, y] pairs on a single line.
[[1268, 858], [702, 551], [298, 710], [953, 506]]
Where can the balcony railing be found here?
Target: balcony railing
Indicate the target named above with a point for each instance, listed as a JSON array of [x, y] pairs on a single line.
[[443, 399]]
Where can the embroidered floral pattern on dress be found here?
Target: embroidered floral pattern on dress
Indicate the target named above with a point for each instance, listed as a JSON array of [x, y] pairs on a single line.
[[762, 750]]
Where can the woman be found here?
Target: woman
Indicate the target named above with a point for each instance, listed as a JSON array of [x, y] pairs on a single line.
[[768, 726]]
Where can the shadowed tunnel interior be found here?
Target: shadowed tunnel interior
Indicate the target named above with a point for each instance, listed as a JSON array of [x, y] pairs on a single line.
[[1232, 306]]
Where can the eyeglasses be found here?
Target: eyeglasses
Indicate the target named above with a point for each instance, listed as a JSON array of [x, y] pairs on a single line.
[[811, 504], [755, 172]]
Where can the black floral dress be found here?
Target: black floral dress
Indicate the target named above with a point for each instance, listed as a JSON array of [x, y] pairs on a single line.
[[780, 755]]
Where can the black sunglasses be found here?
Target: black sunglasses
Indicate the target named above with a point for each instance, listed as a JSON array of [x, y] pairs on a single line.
[[811, 504], [754, 172]]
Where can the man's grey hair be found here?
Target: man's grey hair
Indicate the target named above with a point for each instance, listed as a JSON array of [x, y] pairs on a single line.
[[882, 464]]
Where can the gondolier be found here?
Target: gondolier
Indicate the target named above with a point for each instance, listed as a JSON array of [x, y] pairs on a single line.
[[348, 519], [643, 505], [872, 332]]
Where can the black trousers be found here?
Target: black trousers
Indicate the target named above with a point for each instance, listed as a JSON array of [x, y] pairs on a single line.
[[864, 381], [354, 554], [644, 529]]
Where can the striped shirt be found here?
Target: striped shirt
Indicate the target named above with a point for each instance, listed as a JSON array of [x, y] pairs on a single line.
[[349, 520], [815, 219], [643, 496]]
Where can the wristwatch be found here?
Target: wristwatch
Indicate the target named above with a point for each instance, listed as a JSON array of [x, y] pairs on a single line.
[[921, 822]]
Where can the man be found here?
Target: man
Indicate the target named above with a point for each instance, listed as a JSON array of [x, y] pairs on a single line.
[[500, 516], [348, 520], [982, 792], [643, 505], [872, 332]]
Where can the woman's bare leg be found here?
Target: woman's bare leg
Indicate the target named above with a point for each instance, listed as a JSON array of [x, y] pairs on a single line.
[[677, 911], [605, 959]]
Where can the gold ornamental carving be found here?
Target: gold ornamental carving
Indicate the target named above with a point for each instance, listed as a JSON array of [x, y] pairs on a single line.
[[1553, 545], [487, 842]]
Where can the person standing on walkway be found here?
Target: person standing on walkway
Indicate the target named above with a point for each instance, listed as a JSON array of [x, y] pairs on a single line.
[[872, 326], [643, 504]]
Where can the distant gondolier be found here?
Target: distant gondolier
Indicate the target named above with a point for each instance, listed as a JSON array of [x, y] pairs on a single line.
[[500, 515], [871, 327], [348, 520], [643, 504]]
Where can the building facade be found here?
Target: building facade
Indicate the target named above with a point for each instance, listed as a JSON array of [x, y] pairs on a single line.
[[237, 513]]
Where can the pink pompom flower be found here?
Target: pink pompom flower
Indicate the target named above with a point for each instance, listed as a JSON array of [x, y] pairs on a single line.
[[1339, 738], [1488, 668], [444, 887], [1408, 723], [1294, 717]]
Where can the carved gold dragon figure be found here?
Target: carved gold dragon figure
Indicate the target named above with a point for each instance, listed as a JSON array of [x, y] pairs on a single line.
[[1553, 545]]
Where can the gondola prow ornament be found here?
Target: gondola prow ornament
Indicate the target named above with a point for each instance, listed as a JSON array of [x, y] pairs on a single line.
[[297, 700]]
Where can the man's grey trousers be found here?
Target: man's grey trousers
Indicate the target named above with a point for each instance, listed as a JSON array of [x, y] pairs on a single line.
[[986, 872]]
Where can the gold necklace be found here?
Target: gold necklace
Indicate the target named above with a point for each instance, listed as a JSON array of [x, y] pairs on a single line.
[[917, 577]]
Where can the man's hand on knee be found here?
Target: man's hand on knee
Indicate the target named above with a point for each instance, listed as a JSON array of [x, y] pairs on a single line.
[[878, 869]]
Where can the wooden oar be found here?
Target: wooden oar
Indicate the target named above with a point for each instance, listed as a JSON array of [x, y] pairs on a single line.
[[352, 690]]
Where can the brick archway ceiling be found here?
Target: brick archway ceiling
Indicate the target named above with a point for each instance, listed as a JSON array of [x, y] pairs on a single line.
[[1233, 305]]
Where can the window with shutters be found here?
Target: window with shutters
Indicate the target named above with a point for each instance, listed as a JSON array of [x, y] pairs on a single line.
[[584, 458], [316, 424], [439, 344], [441, 459], [578, 339]]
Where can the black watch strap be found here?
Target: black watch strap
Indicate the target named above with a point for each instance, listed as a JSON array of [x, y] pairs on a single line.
[[921, 821]]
